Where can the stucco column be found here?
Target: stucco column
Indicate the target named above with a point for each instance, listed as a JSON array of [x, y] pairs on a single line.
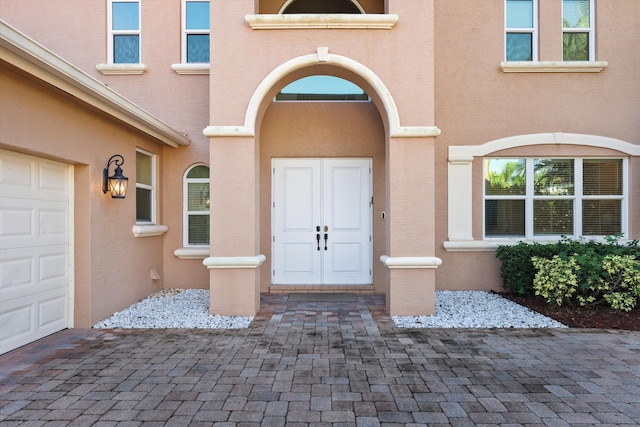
[[410, 226], [234, 260]]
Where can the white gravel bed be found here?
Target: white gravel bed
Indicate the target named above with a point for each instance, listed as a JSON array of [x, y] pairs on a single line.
[[173, 308], [178, 308], [477, 309]]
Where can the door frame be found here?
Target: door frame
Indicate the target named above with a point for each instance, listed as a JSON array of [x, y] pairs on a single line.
[[368, 225]]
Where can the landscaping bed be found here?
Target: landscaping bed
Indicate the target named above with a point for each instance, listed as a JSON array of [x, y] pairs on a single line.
[[574, 316]]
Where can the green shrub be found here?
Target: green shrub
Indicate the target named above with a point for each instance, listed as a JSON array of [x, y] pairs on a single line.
[[617, 280], [518, 272], [620, 282], [555, 279]]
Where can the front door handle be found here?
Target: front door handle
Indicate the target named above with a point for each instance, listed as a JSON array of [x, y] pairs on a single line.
[[326, 236], [318, 240]]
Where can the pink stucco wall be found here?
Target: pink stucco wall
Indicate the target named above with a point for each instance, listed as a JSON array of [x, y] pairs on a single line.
[[476, 102], [440, 63], [112, 267]]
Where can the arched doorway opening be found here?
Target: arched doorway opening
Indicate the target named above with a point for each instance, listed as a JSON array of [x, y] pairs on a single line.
[[322, 185], [243, 180]]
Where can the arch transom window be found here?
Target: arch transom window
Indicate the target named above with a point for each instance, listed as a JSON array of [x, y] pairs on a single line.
[[322, 88], [321, 6]]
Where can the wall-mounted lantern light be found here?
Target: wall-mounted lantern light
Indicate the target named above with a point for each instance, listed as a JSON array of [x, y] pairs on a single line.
[[116, 184]]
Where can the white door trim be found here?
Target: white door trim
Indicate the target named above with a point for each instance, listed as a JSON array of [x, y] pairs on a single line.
[[322, 221]]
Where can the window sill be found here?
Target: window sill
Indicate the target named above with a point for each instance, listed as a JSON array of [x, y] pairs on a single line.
[[192, 253], [308, 21], [149, 230], [121, 69], [553, 66], [199, 68], [492, 245]]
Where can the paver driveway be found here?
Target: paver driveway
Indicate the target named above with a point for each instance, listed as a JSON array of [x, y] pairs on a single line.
[[324, 364]]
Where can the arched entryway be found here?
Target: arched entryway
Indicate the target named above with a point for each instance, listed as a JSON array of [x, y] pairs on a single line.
[[241, 159], [322, 175]]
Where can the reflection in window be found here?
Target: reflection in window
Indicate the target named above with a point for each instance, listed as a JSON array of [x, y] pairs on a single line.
[[521, 26], [577, 32], [322, 88], [125, 32], [196, 31], [553, 197]]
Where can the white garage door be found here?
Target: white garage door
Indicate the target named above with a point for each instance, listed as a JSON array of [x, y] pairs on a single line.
[[35, 254]]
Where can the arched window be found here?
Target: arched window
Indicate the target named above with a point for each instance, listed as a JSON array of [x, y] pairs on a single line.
[[197, 203], [322, 88], [321, 6]]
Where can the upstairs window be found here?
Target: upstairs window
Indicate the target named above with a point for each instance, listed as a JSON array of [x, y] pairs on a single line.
[[145, 187], [197, 205], [521, 23], [322, 88], [534, 198], [322, 6], [577, 30], [195, 39], [124, 29]]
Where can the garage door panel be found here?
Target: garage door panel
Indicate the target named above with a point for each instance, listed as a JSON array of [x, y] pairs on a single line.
[[52, 313], [18, 325], [28, 271], [53, 181], [35, 255], [16, 175], [23, 178], [16, 272], [25, 320], [43, 223]]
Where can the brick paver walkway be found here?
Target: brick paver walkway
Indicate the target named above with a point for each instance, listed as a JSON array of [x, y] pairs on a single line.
[[342, 364]]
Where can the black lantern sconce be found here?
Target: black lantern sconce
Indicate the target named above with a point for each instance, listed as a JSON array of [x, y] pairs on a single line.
[[117, 183]]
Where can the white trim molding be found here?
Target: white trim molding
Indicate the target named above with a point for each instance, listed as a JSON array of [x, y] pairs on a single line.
[[121, 69], [234, 261], [39, 62], [323, 56], [149, 230], [460, 178], [553, 66], [192, 253], [314, 21], [191, 68], [411, 261]]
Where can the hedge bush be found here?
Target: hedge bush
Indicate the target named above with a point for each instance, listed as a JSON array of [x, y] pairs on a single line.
[[518, 272], [617, 284]]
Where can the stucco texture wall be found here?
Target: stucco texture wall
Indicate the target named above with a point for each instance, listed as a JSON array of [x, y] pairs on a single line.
[[77, 31], [476, 102], [111, 267]]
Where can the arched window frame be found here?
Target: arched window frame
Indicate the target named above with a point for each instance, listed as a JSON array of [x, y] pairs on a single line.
[[289, 2], [189, 213], [460, 181]]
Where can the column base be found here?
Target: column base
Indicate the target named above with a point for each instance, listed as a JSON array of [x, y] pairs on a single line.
[[411, 285]]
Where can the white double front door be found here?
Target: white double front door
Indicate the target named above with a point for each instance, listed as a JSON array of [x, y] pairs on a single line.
[[321, 221]]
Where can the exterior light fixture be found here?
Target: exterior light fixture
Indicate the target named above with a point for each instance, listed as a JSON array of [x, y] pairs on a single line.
[[116, 184]]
